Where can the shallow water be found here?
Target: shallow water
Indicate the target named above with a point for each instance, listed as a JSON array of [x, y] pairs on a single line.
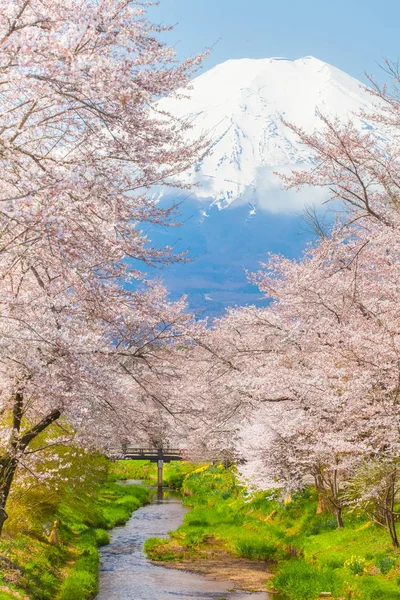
[[126, 574]]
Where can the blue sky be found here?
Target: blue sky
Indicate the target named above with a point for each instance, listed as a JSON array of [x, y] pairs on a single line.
[[353, 35]]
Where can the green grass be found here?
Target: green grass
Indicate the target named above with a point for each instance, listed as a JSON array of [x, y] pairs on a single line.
[[67, 570], [306, 551], [79, 584], [256, 549], [301, 581], [102, 537], [173, 473], [121, 470], [113, 506], [158, 549]]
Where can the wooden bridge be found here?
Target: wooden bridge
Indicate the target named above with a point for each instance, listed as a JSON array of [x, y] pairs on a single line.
[[152, 454], [155, 455]]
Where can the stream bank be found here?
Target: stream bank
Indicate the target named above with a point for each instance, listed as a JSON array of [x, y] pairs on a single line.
[[127, 574], [49, 546], [309, 556], [217, 564]]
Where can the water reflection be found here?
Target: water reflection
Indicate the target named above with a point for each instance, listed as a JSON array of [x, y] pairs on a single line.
[[125, 573]]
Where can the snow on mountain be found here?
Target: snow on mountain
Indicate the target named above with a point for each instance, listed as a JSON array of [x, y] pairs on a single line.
[[240, 104]]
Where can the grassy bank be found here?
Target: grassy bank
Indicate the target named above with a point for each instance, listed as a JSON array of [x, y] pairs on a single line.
[[173, 473], [307, 553], [49, 549]]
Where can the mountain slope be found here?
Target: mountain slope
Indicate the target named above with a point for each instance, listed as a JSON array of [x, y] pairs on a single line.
[[241, 103]]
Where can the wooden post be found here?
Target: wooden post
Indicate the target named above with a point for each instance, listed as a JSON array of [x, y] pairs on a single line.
[[124, 447], [160, 468]]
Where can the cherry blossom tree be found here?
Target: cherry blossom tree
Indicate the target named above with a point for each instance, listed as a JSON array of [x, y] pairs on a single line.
[[316, 372], [375, 489], [309, 386], [82, 142], [337, 308]]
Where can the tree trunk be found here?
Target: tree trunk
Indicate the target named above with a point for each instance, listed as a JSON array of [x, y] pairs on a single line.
[[391, 525], [7, 472], [16, 448], [323, 503], [339, 517], [389, 511], [337, 502]]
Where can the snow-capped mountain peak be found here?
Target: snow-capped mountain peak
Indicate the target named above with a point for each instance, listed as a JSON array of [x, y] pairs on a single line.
[[240, 104]]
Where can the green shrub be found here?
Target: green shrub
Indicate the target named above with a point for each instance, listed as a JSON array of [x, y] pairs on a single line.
[[195, 538], [153, 543], [356, 564], [7, 596], [157, 549], [102, 537], [214, 516], [255, 548], [79, 528], [385, 564], [226, 495], [196, 522], [334, 562], [79, 585], [301, 581], [121, 470], [37, 574], [321, 526], [84, 504], [378, 589]]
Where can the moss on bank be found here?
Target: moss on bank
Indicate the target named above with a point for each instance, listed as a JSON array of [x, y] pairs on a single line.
[[306, 552], [51, 551]]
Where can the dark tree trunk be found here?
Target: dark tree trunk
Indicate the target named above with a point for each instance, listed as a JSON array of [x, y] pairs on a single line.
[[17, 446], [389, 510], [327, 486], [391, 525], [7, 472], [9, 460]]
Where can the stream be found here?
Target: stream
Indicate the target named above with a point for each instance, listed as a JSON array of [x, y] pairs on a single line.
[[126, 574]]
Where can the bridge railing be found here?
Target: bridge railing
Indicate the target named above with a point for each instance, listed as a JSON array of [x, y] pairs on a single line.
[[153, 454], [153, 450]]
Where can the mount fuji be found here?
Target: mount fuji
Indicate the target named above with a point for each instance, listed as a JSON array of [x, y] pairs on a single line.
[[237, 209]]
